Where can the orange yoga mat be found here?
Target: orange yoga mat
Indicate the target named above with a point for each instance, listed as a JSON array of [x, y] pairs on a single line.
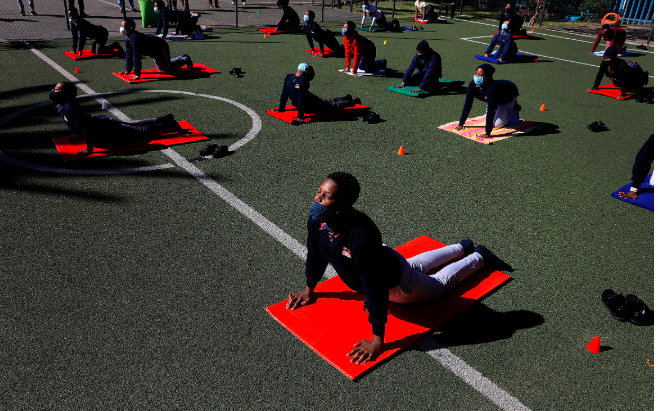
[[336, 321], [610, 90], [290, 115], [273, 30], [68, 149], [198, 70]]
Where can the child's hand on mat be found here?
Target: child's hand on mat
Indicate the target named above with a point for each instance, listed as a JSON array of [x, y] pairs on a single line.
[[299, 120], [133, 78], [401, 86], [631, 194], [82, 153], [417, 91], [300, 299], [486, 54], [124, 73], [366, 350], [459, 128], [500, 59]]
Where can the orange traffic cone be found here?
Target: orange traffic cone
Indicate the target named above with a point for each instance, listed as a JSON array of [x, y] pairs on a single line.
[[77, 70], [543, 107], [265, 36], [533, 30], [594, 345], [401, 151]]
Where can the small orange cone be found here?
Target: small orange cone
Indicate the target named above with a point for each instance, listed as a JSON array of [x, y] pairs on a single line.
[[77, 70], [401, 151], [533, 30], [265, 36], [543, 107], [595, 345]]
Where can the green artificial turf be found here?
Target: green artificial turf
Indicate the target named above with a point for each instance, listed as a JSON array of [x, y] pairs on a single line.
[[146, 291]]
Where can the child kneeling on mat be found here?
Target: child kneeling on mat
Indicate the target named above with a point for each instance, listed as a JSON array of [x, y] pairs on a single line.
[[428, 63], [627, 75], [138, 44], [505, 40], [185, 22], [428, 13], [103, 131], [359, 51], [295, 88], [81, 30], [349, 240], [500, 96], [322, 36]]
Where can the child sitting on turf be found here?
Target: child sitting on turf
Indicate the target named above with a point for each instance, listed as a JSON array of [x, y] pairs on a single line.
[[185, 22], [377, 16], [295, 88], [614, 36], [359, 51], [428, 13], [289, 20], [505, 40], [346, 238], [428, 63], [500, 96], [322, 36], [627, 75], [81, 30], [103, 131], [139, 44]]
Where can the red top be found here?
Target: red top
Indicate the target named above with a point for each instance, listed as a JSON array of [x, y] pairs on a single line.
[[353, 48], [614, 33]]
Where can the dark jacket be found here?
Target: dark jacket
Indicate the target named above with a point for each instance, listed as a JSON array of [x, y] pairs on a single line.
[[313, 32], [643, 162], [290, 16], [165, 16], [359, 258], [429, 64], [494, 93], [507, 44], [628, 73], [138, 45], [504, 16], [82, 30]]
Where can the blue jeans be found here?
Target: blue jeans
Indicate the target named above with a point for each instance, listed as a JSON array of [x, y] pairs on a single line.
[[417, 287], [130, 2], [370, 65], [30, 3], [165, 63]]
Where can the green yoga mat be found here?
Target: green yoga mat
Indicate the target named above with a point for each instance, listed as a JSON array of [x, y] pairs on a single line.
[[374, 29], [444, 85]]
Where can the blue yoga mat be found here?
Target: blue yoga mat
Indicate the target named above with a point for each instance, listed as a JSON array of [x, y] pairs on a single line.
[[520, 58], [646, 194]]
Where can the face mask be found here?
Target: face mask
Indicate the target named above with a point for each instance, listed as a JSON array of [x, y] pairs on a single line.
[[306, 18], [57, 97], [364, 7], [75, 20], [321, 213], [478, 80], [155, 9], [504, 26], [347, 32], [123, 31]]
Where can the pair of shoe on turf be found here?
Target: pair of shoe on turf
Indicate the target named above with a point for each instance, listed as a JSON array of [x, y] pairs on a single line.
[[214, 150], [644, 98], [597, 126], [629, 308], [371, 118]]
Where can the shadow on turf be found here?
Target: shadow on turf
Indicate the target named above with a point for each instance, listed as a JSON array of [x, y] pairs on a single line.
[[543, 129], [13, 183], [480, 324]]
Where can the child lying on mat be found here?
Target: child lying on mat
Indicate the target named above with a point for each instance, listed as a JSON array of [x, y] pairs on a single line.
[[505, 40], [500, 96], [81, 30], [314, 32], [428, 63], [641, 169], [295, 88], [103, 131], [138, 44], [627, 75], [289, 20], [614, 36], [347, 239], [359, 51]]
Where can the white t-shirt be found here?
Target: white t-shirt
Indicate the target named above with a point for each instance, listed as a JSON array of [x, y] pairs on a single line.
[[421, 5], [371, 11]]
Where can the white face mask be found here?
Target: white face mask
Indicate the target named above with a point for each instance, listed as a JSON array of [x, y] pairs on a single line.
[[123, 31], [73, 20], [155, 9]]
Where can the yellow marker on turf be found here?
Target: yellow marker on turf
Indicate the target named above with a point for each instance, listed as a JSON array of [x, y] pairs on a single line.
[[385, 42]]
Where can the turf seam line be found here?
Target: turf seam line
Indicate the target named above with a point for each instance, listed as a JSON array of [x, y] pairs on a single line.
[[470, 375]]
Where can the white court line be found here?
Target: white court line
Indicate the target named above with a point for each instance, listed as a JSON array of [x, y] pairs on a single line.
[[458, 366]]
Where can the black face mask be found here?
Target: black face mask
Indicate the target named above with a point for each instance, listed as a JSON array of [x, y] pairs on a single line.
[[58, 97]]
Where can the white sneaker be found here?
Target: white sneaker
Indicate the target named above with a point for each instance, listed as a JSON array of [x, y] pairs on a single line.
[[233, 2]]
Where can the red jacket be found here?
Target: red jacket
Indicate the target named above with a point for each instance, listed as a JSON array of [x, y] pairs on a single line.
[[353, 48]]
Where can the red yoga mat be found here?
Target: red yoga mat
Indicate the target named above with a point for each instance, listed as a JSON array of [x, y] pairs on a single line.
[[516, 36], [273, 30], [440, 20], [88, 55], [327, 53], [198, 70], [336, 321], [610, 90], [68, 149], [290, 115]]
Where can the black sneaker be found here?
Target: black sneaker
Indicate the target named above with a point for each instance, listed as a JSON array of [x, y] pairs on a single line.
[[616, 304], [188, 61], [32, 12], [517, 107], [649, 99], [209, 149], [639, 311], [220, 152], [491, 260], [22, 12], [468, 245], [640, 98]]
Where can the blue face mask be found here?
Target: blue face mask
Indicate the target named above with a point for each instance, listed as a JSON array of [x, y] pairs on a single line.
[[306, 18], [478, 80], [504, 26], [347, 32], [321, 213], [75, 20]]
